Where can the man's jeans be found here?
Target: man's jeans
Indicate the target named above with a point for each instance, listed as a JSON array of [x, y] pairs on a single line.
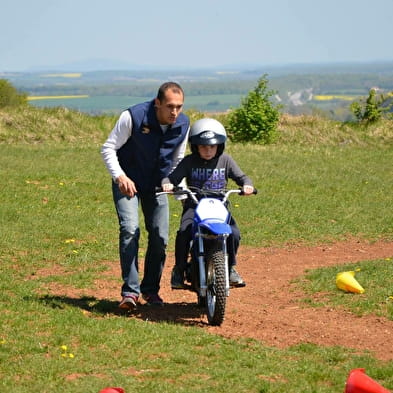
[[156, 214]]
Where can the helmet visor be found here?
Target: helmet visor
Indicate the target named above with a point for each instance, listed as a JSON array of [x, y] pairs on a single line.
[[207, 138]]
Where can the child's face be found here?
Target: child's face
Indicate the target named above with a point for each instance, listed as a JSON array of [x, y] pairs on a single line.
[[207, 152]]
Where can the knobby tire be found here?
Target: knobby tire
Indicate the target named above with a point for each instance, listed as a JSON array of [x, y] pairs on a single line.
[[216, 294]]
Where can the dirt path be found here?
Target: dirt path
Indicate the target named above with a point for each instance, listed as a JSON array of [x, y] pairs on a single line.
[[268, 308], [280, 320]]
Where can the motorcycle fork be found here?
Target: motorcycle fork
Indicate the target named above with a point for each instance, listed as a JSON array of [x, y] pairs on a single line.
[[226, 263], [201, 265]]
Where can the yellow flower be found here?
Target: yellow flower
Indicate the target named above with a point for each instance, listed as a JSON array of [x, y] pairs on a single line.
[[63, 347], [71, 355], [69, 241], [75, 251]]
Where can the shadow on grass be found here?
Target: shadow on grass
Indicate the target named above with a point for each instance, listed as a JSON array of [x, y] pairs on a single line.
[[189, 314]]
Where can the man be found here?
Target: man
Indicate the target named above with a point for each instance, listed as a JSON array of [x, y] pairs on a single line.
[[146, 144]]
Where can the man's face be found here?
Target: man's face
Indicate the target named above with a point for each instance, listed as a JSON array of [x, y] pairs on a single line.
[[169, 108]]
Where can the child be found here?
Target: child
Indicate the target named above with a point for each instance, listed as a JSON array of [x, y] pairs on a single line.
[[207, 167]]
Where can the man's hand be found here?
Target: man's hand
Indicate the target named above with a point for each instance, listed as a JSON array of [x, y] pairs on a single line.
[[126, 185]]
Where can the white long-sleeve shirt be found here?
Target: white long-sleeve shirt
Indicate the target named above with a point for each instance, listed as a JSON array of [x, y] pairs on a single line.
[[121, 132]]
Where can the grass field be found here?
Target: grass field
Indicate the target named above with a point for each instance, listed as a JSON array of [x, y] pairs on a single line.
[[321, 182]]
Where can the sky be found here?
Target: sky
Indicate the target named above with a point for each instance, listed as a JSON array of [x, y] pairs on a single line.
[[48, 34]]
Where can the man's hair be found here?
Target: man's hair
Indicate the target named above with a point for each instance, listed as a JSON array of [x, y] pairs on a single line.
[[175, 87]]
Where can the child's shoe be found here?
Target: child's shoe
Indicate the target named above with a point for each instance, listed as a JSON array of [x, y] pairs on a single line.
[[235, 280], [177, 278]]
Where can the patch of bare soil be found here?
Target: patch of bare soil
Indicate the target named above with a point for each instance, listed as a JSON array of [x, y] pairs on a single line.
[[269, 307]]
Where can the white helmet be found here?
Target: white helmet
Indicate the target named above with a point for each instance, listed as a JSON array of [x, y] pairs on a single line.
[[208, 132]]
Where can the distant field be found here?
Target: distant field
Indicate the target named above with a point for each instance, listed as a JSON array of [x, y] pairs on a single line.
[[35, 98], [111, 104], [334, 97], [303, 89], [64, 75]]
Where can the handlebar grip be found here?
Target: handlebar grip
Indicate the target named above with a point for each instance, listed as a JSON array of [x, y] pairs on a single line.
[[174, 190], [255, 192], [177, 189]]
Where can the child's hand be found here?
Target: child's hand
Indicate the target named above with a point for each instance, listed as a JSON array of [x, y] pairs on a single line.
[[167, 187], [248, 190]]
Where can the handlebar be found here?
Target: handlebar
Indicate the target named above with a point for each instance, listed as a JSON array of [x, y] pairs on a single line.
[[194, 192]]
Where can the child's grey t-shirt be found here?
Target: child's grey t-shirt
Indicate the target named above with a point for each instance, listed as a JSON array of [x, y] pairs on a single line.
[[209, 175]]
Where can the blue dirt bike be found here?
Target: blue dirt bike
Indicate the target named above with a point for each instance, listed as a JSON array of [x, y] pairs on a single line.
[[207, 270]]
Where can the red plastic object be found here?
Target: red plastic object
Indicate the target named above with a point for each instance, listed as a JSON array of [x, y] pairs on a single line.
[[359, 382]]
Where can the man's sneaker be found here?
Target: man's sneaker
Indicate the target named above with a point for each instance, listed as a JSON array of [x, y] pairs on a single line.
[[128, 302], [152, 299], [177, 278], [235, 280]]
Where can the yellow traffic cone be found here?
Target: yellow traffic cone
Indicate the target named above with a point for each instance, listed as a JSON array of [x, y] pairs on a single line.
[[347, 282]]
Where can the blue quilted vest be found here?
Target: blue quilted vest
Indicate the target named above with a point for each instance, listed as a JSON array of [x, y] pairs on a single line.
[[146, 157]]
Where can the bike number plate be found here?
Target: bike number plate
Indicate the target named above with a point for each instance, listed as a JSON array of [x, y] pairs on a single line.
[[211, 208]]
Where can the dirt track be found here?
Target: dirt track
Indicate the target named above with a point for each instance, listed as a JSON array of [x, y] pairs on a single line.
[[268, 308]]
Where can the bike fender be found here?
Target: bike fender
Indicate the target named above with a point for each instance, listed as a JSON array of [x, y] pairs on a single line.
[[219, 228]]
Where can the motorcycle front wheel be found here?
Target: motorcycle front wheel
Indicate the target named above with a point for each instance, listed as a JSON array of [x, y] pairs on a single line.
[[216, 293]]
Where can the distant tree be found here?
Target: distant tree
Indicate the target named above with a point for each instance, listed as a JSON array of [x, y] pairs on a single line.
[[9, 95], [373, 108], [256, 119]]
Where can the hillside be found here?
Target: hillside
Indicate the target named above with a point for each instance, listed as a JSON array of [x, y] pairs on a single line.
[[53, 125]]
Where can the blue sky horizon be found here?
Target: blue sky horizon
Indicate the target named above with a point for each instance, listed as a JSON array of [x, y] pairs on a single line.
[[211, 33]]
